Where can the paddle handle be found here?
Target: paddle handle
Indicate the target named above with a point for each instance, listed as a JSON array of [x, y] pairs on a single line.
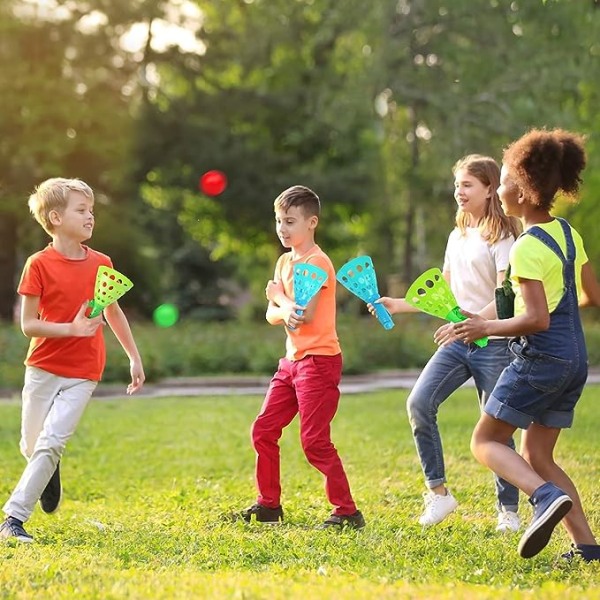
[[96, 309], [383, 316], [455, 316]]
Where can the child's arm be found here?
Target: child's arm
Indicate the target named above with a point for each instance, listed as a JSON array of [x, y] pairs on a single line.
[[33, 326], [590, 288], [400, 305], [446, 334], [281, 309], [535, 318], [117, 320], [393, 305]]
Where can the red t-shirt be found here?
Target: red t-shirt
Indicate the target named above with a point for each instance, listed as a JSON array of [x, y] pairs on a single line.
[[63, 285]]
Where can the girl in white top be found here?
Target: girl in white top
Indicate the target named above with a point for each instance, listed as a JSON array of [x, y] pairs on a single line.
[[474, 265]]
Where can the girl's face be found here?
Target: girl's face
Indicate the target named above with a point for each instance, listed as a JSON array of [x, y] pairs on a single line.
[[471, 195], [509, 194]]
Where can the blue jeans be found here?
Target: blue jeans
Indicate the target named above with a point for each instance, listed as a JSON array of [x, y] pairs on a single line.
[[446, 371]]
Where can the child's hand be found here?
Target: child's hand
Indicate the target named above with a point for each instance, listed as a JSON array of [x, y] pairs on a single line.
[[137, 377], [274, 290], [445, 335], [292, 319], [389, 303], [81, 326], [474, 328]]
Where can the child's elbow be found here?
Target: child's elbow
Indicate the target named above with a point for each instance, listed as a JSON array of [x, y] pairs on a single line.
[[26, 329], [543, 322]]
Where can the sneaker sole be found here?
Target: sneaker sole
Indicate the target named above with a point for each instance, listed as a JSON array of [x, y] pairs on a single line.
[[23, 540], [7, 539], [537, 535], [428, 523]]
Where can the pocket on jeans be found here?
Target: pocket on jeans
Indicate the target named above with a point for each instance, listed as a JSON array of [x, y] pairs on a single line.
[[328, 367], [548, 373]]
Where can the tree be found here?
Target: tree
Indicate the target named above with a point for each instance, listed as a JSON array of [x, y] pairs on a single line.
[[66, 86], [270, 110], [466, 77]]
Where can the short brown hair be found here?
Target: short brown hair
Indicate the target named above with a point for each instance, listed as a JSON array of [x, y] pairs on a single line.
[[544, 162], [301, 196], [53, 194]]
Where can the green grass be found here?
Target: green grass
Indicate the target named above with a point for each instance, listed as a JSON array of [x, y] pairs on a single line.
[[147, 483]]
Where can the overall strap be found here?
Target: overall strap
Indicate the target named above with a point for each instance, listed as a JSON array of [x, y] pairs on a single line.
[[550, 242], [547, 240], [569, 239]]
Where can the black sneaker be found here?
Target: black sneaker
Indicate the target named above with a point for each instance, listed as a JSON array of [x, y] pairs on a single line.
[[586, 552], [353, 521], [12, 529], [263, 514], [52, 494]]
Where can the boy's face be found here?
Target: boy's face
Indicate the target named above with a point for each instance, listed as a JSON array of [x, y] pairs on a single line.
[[76, 221], [294, 227]]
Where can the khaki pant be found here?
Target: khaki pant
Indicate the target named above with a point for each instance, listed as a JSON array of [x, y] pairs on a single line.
[[52, 408]]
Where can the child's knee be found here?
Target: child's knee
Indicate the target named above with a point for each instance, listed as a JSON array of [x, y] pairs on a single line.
[[52, 445], [260, 434], [316, 448]]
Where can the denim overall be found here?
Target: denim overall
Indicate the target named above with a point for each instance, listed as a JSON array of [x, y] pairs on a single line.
[[545, 380]]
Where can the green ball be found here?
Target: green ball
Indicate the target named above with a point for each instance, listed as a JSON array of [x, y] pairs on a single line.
[[165, 315]]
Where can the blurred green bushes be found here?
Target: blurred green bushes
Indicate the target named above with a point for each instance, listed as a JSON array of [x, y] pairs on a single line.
[[193, 348]]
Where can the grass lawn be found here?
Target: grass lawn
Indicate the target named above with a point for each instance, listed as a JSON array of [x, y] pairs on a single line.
[[147, 483]]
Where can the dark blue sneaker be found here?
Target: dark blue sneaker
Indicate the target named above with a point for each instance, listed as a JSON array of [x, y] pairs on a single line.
[[52, 494], [12, 529], [586, 552], [550, 505]]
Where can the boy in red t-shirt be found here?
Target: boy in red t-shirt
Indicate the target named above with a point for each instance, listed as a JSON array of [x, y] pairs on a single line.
[[308, 377], [66, 355]]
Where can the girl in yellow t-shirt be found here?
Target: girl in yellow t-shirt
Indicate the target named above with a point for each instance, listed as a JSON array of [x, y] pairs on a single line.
[[538, 391]]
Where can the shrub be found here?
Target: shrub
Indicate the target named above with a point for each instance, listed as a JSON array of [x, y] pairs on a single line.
[[196, 348]]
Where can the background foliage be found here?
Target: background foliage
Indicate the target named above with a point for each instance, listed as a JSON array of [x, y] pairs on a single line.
[[369, 104]]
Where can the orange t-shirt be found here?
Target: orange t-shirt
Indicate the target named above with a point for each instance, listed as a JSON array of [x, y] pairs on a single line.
[[319, 336], [63, 285]]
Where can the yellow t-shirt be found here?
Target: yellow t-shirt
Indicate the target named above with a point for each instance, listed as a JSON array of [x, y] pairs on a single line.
[[532, 259], [319, 336]]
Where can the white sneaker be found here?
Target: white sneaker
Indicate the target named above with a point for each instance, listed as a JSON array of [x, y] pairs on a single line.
[[437, 507], [508, 521]]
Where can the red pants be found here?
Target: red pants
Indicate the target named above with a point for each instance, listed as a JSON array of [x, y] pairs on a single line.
[[310, 387]]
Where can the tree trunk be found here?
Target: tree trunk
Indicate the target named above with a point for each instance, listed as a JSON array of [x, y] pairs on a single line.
[[8, 260]]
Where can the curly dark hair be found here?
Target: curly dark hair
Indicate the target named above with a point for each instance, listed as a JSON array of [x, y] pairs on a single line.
[[544, 163]]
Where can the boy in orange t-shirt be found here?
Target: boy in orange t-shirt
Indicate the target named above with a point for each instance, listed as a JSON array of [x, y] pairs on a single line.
[[66, 355], [307, 379]]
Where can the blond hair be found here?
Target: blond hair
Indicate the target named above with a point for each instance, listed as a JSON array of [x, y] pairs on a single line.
[[53, 194], [494, 225]]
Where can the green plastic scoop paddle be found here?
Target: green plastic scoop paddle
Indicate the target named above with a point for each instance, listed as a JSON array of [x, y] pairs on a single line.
[[110, 286], [431, 294]]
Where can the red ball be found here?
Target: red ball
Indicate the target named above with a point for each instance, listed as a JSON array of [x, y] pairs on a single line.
[[213, 183]]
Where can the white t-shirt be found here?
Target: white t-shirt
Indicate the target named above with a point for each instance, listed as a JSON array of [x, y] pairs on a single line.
[[474, 265]]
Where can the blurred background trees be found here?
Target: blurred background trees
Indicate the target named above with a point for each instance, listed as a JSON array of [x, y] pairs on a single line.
[[369, 104]]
